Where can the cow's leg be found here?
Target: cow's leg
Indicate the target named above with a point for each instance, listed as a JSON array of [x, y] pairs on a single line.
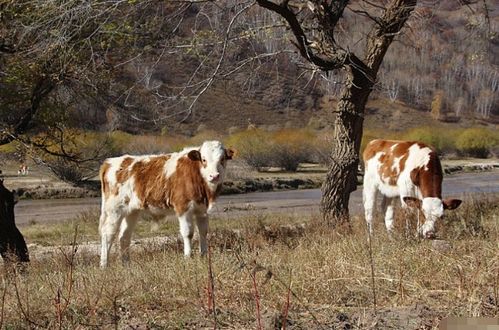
[[388, 207], [369, 193], [202, 223], [186, 230], [108, 226], [125, 236]]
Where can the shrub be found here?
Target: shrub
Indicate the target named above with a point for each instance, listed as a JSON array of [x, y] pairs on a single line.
[[204, 135], [254, 146], [66, 170], [292, 147], [119, 142], [476, 142], [148, 144], [12, 151], [322, 146], [439, 138], [84, 152], [154, 144]]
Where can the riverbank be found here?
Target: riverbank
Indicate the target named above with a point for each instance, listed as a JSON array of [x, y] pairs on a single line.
[[41, 185]]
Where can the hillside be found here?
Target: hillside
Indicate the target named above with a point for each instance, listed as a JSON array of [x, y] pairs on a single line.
[[178, 67], [445, 63]]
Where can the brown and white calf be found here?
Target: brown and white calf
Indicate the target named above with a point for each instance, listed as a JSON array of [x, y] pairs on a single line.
[[409, 170], [188, 182]]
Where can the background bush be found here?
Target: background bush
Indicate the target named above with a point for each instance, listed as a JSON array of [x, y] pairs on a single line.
[[292, 147], [477, 142], [254, 146], [443, 140]]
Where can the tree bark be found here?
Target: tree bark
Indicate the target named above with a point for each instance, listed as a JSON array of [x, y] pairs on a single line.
[[341, 178]]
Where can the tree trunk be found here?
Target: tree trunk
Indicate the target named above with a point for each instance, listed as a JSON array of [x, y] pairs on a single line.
[[341, 178]]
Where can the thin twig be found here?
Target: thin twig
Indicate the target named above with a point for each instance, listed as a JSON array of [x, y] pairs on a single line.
[[257, 300], [2, 311], [286, 307], [371, 261], [211, 290]]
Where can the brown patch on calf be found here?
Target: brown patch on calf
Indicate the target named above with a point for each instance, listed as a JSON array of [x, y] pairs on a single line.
[[103, 181], [429, 178], [123, 173], [189, 185], [372, 148], [154, 189], [387, 159], [151, 182]]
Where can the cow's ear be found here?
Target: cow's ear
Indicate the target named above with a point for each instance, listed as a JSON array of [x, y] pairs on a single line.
[[451, 204], [229, 153], [412, 202], [194, 155]]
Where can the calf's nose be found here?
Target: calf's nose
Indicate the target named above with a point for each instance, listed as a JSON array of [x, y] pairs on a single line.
[[215, 177]]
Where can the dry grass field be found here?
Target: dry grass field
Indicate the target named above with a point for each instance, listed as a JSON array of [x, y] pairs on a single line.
[[264, 272]]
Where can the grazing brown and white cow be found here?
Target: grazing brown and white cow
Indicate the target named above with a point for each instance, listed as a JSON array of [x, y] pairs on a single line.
[[409, 170], [187, 182]]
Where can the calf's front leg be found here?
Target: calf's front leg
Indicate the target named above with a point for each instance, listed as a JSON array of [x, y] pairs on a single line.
[[202, 223], [186, 231]]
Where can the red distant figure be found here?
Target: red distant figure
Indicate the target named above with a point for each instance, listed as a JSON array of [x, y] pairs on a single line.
[[23, 169]]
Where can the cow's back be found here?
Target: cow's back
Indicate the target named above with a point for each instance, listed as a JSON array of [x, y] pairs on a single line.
[[395, 167]]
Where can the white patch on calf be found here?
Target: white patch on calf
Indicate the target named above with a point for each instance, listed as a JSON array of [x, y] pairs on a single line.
[[417, 157], [212, 154], [396, 165]]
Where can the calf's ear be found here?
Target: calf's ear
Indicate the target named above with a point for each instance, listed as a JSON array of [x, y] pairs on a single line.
[[229, 153], [412, 202], [451, 204], [194, 155]]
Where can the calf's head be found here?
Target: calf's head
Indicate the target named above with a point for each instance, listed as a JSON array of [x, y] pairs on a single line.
[[213, 157], [433, 210]]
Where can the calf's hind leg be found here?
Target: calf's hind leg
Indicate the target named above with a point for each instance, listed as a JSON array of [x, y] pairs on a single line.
[[369, 193], [388, 206], [108, 227], [125, 236]]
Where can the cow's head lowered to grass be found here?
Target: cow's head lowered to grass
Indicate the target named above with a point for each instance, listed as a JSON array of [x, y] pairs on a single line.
[[433, 210]]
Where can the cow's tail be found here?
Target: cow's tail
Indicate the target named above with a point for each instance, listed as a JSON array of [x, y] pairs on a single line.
[[104, 193]]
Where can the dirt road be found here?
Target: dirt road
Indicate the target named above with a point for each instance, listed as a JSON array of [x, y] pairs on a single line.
[[291, 202]]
